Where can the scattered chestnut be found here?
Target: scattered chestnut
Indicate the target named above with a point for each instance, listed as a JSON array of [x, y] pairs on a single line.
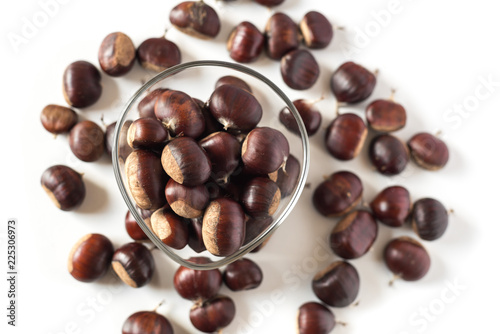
[[388, 154], [392, 206], [429, 219], [116, 54], [245, 43], [255, 226], [124, 149], [147, 322], [196, 19], [133, 228], [309, 114], [195, 237], [346, 136], [338, 194], [287, 181], [224, 151], [315, 318], [352, 83], [187, 202], [316, 30], [147, 133], [232, 80], [134, 264], [147, 105], [261, 197], [264, 151], [197, 285], [428, 151], [86, 140], [90, 257], [337, 285], [158, 54], [170, 228], [299, 69], [81, 84], [212, 315], [270, 3], [242, 274], [58, 119], [282, 35], [406, 258], [386, 115], [64, 186]]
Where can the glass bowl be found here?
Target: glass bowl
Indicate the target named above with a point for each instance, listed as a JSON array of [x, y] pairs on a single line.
[[198, 80]]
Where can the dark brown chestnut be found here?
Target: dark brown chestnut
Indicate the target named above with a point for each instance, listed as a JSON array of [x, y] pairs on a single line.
[[124, 149], [116, 54], [309, 114], [242, 274], [232, 80], [287, 180], [261, 197], [223, 227], [196, 19], [86, 140], [345, 136], [388, 154], [224, 151], [90, 257], [392, 206], [337, 285], [147, 133], [146, 179], [270, 3], [147, 322], [352, 83], [338, 194], [255, 226], [171, 229], [64, 186], [158, 54], [212, 315], [299, 69], [134, 264], [211, 124], [316, 30], [245, 43], [195, 237], [187, 202], [282, 35], [407, 259], [146, 107], [354, 235], [58, 119], [133, 229], [429, 219], [186, 162], [428, 151], [81, 84], [197, 285], [386, 115], [315, 318]]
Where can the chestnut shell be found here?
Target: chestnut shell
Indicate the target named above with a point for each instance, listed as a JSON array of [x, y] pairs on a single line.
[[134, 264], [116, 54], [388, 154], [158, 54], [58, 119], [352, 83], [147, 322], [195, 284], [90, 257], [81, 84], [345, 136], [429, 219], [407, 258], [64, 186], [86, 140], [392, 206], [299, 69], [245, 43], [428, 151], [337, 285], [196, 19]]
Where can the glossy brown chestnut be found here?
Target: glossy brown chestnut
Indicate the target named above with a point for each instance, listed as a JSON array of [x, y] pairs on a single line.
[[287, 181], [245, 43], [429, 219], [133, 229], [309, 114], [116, 54], [171, 229], [316, 30], [242, 274], [354, 235], [147, 133], [147, 322], [81, 84], [299, 69], [196, 19], [197, 285], [134, 264], [64, 186], [282, 35], [146, 179], [223, 227], [255, 226], [186, 162], [337, 285], [385, 115], [392, 206], [58, 119], [158, 54], [338, 194], [147, 105], [195, 237], [212, 315], [86, 140], [345, 136], [388, 154], [352, 83], [124, 149], [224, 151], [270, 3], [187, 202], [261, 197], [407, 259], [90, 257], [428, 151], [232, 80], [315, 318]]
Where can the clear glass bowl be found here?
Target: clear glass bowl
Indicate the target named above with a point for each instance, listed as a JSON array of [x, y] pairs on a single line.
[[198, 80]]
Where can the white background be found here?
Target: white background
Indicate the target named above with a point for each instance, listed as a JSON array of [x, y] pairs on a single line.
[[435, 54]]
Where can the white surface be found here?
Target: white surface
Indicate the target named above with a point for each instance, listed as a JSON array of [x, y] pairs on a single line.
[[434, 53]]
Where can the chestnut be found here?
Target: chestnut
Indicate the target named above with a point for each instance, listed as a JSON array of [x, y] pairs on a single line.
[[147, 322], [429, 219], [261, 197], [392, 206], [315, 318], [354, 235], [116, 54], [212, 315], [232, 80], [146, 179], [407, 259], [133, 229], [428, 151], [211, 124], [242, 274], [124, 149], [282, 35], [287, 180], [270, 3], [196, 19], [146, 107], [187, 202], [264, 151], [169, 228], [147, 133], [58, 119], [64, 186], [86, 140], [299, 69], [345, 136], [81, 84], [352, 83], [224, 151], [338, 194], [223, 227], [386, 115], [158, 54], [197, 285], [388, 154], [245, 43], [90, 257], [337, 285], [309, 114], [186, 162], [134, 264], [195, 237], [255, 226], [316, 30]]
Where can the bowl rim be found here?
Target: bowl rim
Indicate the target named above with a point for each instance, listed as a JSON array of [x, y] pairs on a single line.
[[276, 222]]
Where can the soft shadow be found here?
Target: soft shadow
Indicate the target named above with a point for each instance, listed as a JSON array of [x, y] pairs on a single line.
[[110, 93], [96, 197]]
